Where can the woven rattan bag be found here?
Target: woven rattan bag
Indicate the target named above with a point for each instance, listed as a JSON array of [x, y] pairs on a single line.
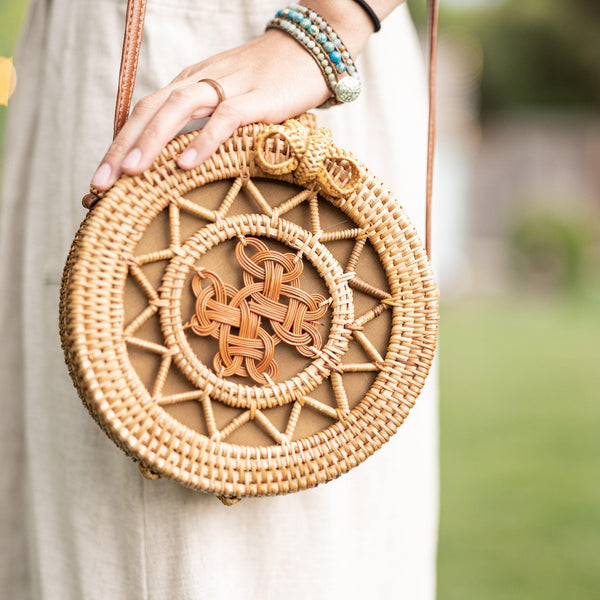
[[257, 325]]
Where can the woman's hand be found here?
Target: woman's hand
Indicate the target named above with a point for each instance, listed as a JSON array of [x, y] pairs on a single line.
[[267, 80]]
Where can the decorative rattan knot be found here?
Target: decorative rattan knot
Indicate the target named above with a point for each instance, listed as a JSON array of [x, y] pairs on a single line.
[[269, 276], [311, 156]]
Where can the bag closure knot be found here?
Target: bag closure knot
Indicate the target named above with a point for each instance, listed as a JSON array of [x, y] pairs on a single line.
[[310, 155]]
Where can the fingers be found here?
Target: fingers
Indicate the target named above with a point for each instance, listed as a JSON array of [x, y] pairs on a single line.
[[109, 169], [193, 101], [227, 117], [254, 92], [154, 121]]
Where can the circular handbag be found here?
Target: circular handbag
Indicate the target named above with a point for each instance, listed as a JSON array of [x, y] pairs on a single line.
[[255, 326]]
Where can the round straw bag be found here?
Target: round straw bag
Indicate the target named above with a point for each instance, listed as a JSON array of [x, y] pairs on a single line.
[[258, 325], [255, 326]]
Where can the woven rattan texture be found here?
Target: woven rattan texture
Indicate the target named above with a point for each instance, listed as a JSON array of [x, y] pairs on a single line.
[[96, 338], [268, 275]]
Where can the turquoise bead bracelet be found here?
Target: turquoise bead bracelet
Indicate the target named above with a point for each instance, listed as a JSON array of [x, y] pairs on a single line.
[[325, 46]]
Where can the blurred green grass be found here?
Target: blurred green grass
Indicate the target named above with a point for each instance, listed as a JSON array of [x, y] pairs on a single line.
[[520, 450], [11, 15]]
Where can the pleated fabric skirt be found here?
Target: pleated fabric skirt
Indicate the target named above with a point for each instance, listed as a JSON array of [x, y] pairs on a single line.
[[77, 519]]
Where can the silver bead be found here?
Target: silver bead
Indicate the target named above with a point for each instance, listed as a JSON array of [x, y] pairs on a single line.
[[347, 89]]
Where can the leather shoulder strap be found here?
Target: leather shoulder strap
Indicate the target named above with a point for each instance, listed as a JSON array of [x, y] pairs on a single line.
[[132, 40], [432, 25]]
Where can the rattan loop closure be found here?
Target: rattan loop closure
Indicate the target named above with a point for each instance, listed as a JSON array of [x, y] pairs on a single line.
[[313, 158]]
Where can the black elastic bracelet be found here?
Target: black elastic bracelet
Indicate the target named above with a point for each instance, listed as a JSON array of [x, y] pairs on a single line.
[[371, 13]]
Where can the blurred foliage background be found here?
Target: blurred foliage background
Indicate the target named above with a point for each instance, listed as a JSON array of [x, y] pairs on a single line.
[[11, 17], [520, 320], [520, 323], [537, 53]]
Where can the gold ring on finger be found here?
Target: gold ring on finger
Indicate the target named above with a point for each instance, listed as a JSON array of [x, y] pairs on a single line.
[[215, 85]]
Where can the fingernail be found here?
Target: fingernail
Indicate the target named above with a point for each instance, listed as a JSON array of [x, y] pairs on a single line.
[[101, 176], [132, 159], [188, 157]]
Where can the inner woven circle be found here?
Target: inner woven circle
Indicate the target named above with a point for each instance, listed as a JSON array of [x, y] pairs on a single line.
[[220, 388]]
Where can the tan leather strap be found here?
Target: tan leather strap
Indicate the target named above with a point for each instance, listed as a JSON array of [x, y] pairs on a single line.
[[134, 28], [132, 40], [432, 18]]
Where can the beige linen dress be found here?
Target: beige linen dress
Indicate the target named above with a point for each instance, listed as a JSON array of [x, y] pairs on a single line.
[[77, 519]]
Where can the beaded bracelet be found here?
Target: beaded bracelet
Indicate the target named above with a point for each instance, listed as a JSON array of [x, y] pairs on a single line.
[[325, 46]]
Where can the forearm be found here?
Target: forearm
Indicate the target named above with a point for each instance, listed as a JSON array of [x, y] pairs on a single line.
[[350, 20]]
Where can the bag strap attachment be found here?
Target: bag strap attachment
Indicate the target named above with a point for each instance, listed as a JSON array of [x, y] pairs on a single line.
[[132, 40]]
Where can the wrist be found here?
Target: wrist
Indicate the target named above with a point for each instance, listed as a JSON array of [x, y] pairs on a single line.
[[297, 55], [348, 19], [325, 46]]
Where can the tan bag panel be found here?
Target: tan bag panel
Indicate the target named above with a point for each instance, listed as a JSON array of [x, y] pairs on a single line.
[[221, 258]]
